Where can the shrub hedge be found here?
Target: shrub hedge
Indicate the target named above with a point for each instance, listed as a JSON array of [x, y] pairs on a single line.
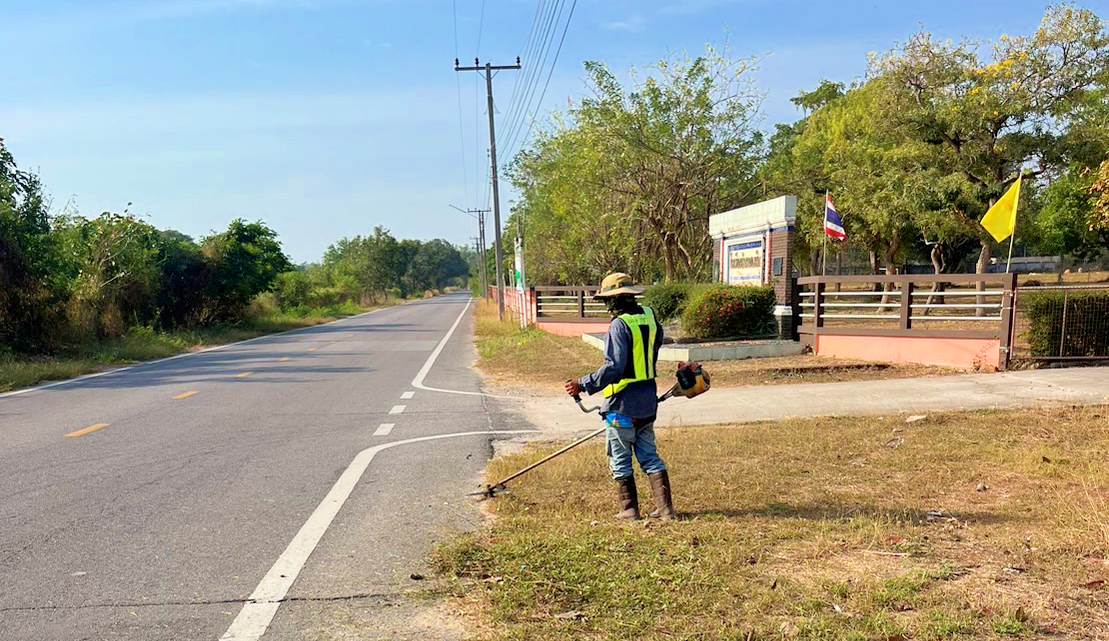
[[1087, 323], [726, 311], [667, 299]]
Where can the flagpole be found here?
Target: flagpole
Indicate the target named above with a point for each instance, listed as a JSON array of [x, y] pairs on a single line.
[[1009, 260], [1013, 236], [824, 249]]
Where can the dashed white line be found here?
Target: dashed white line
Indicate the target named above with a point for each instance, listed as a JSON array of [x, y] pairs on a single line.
[[259, 610], [397, 409], [384, 429], [407, 395]]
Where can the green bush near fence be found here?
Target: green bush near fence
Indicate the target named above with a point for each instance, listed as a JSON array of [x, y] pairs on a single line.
[[1086, 328], [666, 299], [725, 311]]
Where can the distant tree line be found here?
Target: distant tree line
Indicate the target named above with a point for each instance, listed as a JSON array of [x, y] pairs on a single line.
[[914, 154], [369, 269], [66, 279]]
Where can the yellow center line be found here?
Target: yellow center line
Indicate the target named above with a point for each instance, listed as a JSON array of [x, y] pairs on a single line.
[[243, 374], [312, 349], [87, 430], [285, 359], [181, 397]]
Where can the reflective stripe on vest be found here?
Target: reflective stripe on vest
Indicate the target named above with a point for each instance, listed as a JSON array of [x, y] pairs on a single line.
[[641, 365]]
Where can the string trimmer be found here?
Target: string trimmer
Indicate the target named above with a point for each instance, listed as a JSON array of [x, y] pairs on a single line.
[[692, 380]]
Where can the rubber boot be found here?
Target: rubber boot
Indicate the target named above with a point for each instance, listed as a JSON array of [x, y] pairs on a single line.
[[629, 499], [660, 490]]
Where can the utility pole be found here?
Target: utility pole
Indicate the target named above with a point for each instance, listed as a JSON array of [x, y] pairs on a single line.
[[499, 251], [480, 217]]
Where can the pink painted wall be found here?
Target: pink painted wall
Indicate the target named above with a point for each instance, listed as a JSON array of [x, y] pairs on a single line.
[[573, 329], [976, 353]]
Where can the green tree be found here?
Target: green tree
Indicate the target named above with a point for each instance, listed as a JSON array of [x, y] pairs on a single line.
[[30, 285], [436, 264], [246, 260], [1098, 221], [629, 178], [990, 120], [115, 274], [184, 279]]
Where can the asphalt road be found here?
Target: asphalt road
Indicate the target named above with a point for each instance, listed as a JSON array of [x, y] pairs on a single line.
[[152, 503]]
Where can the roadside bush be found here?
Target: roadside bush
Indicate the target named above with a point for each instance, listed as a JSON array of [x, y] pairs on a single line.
[[726, 311], [326, 296], [292, 289], [667, 299], [1087, 327]]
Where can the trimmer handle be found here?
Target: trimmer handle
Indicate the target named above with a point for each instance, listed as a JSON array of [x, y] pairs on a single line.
[[577, 399]]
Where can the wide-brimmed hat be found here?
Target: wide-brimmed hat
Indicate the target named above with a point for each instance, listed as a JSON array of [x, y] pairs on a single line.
[[616, 284]]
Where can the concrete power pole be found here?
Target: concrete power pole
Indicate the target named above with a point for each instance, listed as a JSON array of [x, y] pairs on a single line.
[[499, 251]]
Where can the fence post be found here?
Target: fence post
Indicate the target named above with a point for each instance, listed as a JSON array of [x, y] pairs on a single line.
[[1005, 331], [1063, 324], [906, 288], [581, 303], [818, 308]]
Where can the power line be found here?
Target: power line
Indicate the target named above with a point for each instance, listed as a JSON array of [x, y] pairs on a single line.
[[526, 53], [556, 14], [532, 73], [458, 88], [547, 83]]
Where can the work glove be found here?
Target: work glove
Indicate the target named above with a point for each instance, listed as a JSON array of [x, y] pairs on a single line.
[[573, 388]]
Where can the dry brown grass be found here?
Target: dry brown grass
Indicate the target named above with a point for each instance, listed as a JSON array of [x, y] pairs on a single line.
[[812, 529], [537, 361]]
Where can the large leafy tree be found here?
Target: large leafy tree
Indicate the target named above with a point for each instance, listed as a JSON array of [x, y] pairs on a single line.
[[30, 282], [629, 177], [246, 259], [990, 120], [114, 272], [435, 264]]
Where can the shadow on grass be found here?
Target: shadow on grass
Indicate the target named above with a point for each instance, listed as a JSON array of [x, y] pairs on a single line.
[[843, 512]]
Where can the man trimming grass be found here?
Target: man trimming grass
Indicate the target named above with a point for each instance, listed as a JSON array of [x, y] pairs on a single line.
[[627, 380]]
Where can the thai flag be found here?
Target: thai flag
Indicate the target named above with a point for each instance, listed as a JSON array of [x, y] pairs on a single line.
[[833, 224]]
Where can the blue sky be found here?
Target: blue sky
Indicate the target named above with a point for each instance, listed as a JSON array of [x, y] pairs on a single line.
[[327, 117]]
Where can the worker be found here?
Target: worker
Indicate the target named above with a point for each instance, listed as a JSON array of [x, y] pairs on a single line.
[[627, 380]]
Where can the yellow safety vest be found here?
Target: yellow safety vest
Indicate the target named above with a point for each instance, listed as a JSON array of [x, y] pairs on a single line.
[[641, 366]]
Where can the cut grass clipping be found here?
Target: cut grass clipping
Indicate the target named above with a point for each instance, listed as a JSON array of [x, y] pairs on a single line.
[[979, 526]]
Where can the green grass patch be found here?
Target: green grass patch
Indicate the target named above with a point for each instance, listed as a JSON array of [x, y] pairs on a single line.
[[144, 344]]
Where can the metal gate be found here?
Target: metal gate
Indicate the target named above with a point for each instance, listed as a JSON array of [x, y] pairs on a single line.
[[1060, 324]]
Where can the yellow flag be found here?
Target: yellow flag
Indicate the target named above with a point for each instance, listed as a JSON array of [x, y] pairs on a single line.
[[1001, 219]]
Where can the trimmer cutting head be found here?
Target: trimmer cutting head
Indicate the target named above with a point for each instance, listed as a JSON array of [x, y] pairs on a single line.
[[490, 492]]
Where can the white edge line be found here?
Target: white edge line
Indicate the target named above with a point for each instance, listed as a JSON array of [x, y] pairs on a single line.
[[214, 348], [418, 382], [257, 613]]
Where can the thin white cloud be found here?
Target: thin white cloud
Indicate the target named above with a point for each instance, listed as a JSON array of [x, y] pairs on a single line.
[[632, 24], [691, 7]]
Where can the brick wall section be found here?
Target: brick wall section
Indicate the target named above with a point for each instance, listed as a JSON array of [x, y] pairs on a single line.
[[781, 246]]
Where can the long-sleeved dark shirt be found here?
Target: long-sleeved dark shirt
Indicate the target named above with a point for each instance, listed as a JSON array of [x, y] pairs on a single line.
[[637, 400]]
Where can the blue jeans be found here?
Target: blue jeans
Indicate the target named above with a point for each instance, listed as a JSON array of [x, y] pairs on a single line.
[[623, 439]]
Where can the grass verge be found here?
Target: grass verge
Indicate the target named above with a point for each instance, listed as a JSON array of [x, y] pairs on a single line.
[[985, 525], [533, 359], [144, 344]]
